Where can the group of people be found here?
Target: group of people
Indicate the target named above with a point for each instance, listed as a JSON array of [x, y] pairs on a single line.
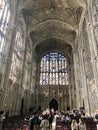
[[3, 119], [45, 120], [41, 121], [96, 118], [78, 126]]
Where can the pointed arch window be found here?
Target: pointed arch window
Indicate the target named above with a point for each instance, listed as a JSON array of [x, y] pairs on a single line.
[[5, 20], [54, 69], [17, 57]]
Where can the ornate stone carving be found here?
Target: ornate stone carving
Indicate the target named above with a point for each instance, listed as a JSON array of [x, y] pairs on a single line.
[[58, 19]]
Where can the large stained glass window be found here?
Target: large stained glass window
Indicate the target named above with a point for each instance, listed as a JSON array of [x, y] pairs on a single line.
[[54, 69], [5, 20]]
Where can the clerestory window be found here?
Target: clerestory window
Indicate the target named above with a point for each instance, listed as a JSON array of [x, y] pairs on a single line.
[[5, 19], [17, 57]]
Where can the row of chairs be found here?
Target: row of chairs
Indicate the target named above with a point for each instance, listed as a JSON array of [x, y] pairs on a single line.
[[16, 123]]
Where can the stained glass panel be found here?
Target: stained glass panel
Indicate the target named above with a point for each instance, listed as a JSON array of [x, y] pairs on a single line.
[[5, 21], [54, 69]]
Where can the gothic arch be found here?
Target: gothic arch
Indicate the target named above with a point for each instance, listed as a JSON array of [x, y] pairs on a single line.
[[53, 104]]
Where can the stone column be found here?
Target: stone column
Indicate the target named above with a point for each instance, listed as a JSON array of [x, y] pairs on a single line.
[[93, 40], [33, 87], [93, 54], [70, 89], [85, 92], [73, 91], [20, 95], [31, 69], [76, 73], [34, 78]]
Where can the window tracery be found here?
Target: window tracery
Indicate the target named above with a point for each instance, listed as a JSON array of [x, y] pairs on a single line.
[[54, 69], [17, 57], [5, 20]]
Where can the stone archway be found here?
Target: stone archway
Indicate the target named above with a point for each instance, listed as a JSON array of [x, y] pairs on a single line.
[[53, 104]]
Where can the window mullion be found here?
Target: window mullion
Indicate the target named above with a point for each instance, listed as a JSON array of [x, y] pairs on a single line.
[[2, 14], [3, 20]]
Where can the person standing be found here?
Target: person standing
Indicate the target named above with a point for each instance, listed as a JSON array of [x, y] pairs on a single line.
[[44, 123], [74, 125], [34, 122], [82, 125], [96, 118]]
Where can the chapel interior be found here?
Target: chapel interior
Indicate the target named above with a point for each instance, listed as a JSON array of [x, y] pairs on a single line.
[[48, 55]]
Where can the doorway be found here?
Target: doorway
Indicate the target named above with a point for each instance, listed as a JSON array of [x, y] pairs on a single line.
[[53, 104], [22, 106]]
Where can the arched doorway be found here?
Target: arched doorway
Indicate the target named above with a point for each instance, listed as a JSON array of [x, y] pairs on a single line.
[[53, 104], [22, 106]]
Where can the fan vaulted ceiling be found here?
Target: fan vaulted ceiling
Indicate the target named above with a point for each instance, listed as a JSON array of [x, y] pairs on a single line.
[[46, 19]]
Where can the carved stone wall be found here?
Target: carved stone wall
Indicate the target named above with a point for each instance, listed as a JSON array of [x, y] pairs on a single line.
[[60, 93], [87, 54]]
